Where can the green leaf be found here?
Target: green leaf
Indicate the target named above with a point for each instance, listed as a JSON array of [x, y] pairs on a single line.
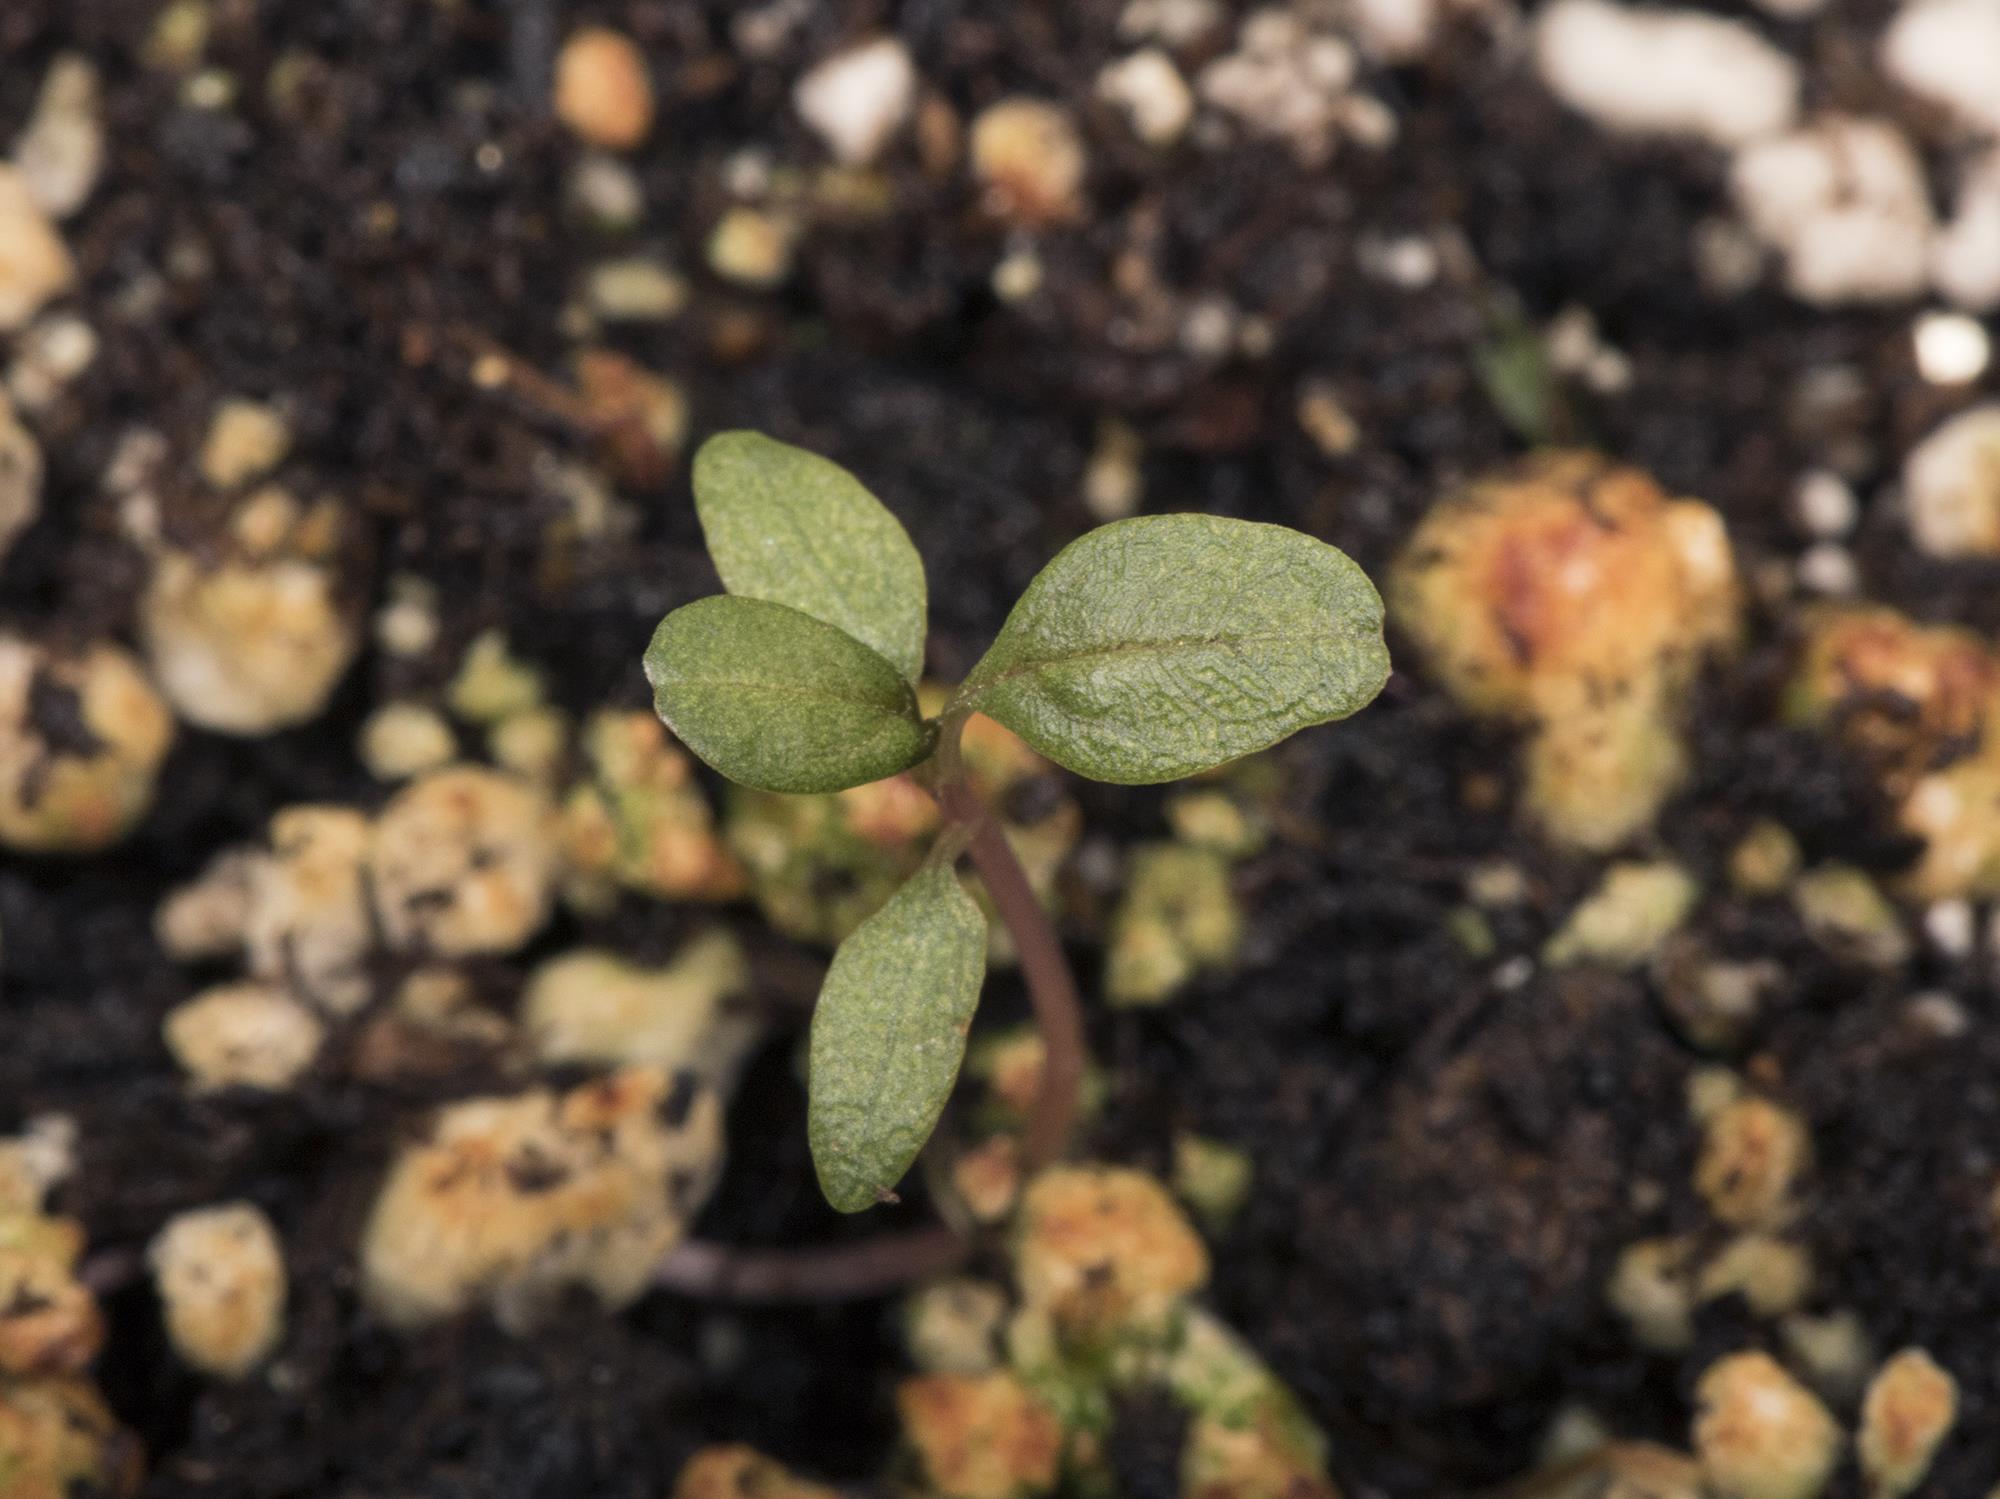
[[1512, 363], [789, 526], [1153, 648], [779, 700], [889, 1035]]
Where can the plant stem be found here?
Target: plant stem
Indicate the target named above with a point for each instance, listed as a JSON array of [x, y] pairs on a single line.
[[876, 1267], [1052, 989], [842, 1272], [1558, 1479]]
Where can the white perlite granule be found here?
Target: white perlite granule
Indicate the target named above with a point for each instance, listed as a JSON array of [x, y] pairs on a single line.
[[1665, 72]]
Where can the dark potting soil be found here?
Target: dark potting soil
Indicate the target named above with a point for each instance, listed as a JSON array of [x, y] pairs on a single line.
[[1447, 1162]]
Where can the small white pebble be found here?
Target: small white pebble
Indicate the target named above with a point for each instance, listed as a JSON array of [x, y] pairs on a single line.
[[1759, 1433], [246, 1035], [1018, 276], [1621, 923], [1284, 81], [61, 153], [1951, 348], [220, 1273], [1951, 486], [401, 740], [20, 477], [1938, 1014], [35, 1161], [752, 248], [592, 1006], [1829, 569], [1965, 255], [1825, 504], [1497, 884], [1326, 420], [1948, 51], [1395, 31], [1831, 1350], [1174, 23], [760, 33], [1112, 482], [136, 461], [1909, 1410], [1369, 122], [210, 89], [491, 371], [1151, 92], [1575, 347], [464, 862], [1255, 337], [1668, 72], [178, 36], [953, 1326], [1609, 372], [249, 647], [209, 916], [1029, 159], [747, 173], [635, 290], [1950, 926], [1710, 1090], [1571, 339], [307, 924], [34, 259], [1574, 1431], [407, 625], [856, 100], [78, 778], [1728, 260], [246, 439], [50, 355], [1844, 200], [606, 192], [1208, 330], [531, 743], [1408, 262], [513, 1201], [1330, 62]]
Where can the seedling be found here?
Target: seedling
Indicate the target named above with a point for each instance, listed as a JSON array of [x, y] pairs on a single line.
[[1148, 650]]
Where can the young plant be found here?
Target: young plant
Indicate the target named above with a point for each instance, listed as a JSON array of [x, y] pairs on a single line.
[[1148, 650]]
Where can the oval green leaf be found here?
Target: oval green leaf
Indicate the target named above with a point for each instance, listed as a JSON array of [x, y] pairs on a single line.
[[1155, 648], [779, 700], [790, 526], [889, 1034]]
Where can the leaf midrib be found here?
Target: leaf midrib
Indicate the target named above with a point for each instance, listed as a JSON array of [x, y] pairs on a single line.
[[856, 620], [817, 694], [975, 686]]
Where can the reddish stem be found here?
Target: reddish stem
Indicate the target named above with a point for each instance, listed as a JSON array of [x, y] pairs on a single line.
[[1051, 988], [876, 1267], [842, 1272]]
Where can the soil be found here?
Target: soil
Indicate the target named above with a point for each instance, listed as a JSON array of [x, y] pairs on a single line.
[[1447, 1160]]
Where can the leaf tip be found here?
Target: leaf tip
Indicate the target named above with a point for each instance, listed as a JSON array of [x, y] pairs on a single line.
[[848, 1192], [720, 466], [719, 446]]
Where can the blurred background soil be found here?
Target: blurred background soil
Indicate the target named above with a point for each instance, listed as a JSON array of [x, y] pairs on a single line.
[[1448, 1161]]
